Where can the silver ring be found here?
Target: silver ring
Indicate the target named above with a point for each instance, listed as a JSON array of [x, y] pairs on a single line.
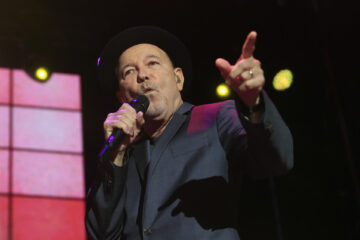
[[251, 73]]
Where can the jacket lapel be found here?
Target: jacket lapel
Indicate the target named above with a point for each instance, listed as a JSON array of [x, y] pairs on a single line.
[[141, 155], [153, 200], [170, 131]]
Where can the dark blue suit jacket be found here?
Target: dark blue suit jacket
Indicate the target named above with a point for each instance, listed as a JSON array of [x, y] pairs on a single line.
[[187, 184]]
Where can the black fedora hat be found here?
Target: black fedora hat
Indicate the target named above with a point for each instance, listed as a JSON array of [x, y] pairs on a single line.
[[174, 48]]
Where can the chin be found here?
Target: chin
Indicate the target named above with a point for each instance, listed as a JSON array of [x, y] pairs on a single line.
[[153, 112], [157, 107]]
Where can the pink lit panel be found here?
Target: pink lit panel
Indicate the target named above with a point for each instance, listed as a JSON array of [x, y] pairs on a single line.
[[4, 210], [4, 126], [4, 86], [60, 91], [4, 171], [48, 174], [44, 129], [42, 218]]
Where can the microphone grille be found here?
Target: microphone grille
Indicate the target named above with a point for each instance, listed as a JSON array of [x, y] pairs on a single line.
[[140, 103]]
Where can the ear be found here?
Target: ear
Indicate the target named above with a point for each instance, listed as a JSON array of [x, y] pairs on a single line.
[[179, 78]]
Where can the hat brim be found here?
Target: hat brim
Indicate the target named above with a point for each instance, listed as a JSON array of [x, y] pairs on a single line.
[[108, 60]]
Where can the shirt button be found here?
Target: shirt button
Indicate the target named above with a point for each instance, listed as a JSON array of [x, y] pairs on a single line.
[[147, 231]]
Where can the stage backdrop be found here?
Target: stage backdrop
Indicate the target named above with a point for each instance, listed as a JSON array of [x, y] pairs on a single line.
[[41, 157]]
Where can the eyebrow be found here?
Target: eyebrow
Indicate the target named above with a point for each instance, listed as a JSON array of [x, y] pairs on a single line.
[[147, 57], [152, 56]]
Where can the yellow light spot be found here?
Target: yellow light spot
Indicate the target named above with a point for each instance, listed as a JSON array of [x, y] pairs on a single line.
[[42, 74], [283, 80], [223, 90]]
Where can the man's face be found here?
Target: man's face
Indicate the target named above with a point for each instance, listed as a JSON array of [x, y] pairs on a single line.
[[146, 69]]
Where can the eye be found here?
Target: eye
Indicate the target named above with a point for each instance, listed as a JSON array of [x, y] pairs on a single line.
[[128, 71], [152, 63]]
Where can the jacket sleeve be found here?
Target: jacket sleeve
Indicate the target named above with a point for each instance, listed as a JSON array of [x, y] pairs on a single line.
[[265, 149], [105, 215]]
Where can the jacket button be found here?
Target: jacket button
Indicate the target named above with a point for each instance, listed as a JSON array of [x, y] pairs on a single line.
[[147, 231], [268, 127]]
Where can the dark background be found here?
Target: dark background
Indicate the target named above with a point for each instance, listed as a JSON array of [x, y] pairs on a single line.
[[317, 40]]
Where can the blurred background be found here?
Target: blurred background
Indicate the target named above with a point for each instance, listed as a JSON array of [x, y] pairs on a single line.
[[317, 40]]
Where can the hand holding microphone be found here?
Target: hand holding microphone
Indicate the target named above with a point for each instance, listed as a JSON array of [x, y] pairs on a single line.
[[122, 127]]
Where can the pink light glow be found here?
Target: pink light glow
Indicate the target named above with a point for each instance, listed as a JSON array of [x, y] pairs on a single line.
[[4, 171], [60, 91], [48, 174], [4, 126], [47, 129], [41, 218], [37, 126], [4, 85], [4, 206], [202, 117]]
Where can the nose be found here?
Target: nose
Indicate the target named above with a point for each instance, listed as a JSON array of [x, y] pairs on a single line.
[[142, 76]]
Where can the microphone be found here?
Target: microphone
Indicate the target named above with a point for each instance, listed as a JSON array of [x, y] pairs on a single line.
[[140, 103]]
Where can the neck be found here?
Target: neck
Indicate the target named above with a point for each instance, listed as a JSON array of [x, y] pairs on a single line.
[[155, 127]]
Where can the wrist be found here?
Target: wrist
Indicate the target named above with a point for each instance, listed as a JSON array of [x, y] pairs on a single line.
[[119, 158], [253, 109]]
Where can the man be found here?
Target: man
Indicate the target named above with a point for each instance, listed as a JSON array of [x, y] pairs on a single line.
[[176, 174]]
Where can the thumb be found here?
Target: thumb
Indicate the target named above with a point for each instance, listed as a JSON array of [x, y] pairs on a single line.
[[223, 66], [140, 119]]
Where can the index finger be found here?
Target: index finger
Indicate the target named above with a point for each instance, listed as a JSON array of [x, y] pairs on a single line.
[[249, 45]]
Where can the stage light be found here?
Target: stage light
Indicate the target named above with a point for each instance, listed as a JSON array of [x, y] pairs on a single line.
[[42, 74], [37, 67], [223, 90], [283, 80]]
